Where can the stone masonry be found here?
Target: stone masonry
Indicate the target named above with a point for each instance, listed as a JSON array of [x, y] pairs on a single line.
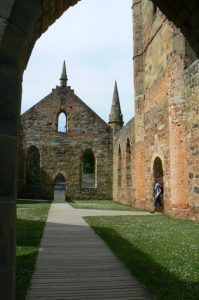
[[22, 23], [166, 125], [165, 128], [62, 152]]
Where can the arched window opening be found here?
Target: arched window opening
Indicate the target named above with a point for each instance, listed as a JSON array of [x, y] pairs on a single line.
[[128, 164], [119, 172], [62, 122], [158, 176], [88, 170], [33, 166]]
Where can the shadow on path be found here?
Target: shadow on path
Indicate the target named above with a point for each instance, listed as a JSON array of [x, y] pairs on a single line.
[[157, 279], [74, 263]]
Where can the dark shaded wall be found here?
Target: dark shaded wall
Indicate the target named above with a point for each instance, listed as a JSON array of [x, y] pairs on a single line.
[[21, 23], [185, 15]]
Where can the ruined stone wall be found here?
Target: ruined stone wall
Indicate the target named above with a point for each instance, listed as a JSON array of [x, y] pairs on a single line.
[[139, 163], [169, 114], [165, 126], [192, 135], [61, 152], [125, 192], [158, 44], [22, 22], [154, 44], [166, 121]]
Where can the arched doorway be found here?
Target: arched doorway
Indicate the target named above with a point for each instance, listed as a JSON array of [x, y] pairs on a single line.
[[60, 188], [158, 177]]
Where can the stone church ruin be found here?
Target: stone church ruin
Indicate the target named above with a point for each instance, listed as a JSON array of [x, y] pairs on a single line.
[[164, 129], [80, 154], [159, 143]]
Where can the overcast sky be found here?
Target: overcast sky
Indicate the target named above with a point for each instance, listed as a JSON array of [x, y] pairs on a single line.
[[96, 44]]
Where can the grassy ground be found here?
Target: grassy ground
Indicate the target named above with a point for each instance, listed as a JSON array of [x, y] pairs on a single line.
[[162, 253], [31, 216], [100, 204]]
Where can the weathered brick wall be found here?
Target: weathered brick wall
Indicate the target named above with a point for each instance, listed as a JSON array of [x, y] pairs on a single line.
[[166, 121], [179, 197], [170, 112], [192, 134], [158, 34], [61, 152], [152, 49], [156, 137], [139, 163]]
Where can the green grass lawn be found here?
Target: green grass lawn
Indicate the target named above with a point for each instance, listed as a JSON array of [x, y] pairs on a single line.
[[162, 253], [100, 204], [31, 216]]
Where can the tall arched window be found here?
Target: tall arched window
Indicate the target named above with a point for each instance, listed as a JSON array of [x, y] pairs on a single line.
[[33, 166], [119, 170], [88, 169], [128, 164], [62, 122]]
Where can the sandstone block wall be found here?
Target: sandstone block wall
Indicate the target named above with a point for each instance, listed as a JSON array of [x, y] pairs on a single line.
[[166, 121], [153, 46], [191, 76], [124, 193]]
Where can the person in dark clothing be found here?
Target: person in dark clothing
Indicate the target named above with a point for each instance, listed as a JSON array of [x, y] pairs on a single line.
[[157, 196]]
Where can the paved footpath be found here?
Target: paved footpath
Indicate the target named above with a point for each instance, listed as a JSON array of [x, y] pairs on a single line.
[[74, 263]]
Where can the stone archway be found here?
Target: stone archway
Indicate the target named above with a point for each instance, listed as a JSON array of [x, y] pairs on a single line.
[[21, 24]]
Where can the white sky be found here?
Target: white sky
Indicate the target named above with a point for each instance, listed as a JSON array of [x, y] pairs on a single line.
[[96, 44]]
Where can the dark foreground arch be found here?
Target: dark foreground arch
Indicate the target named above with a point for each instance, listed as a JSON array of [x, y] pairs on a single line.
[[21, 24], [185, 15]]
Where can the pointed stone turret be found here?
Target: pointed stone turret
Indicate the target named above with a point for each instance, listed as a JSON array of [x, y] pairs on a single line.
[[63, 78], [116, 117]]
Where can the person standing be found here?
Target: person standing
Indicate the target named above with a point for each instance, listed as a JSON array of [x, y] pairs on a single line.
[[157, 196]]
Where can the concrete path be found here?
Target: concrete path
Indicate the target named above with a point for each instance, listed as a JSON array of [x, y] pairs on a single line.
[[74, 263]]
